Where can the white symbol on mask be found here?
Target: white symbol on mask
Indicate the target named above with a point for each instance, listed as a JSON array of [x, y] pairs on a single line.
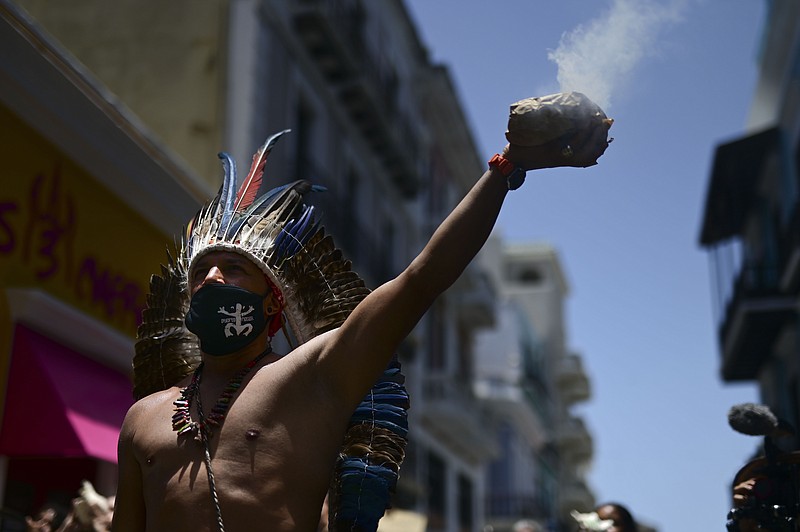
[[234, 322]]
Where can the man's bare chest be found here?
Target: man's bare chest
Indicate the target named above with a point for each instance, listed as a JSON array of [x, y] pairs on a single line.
[[263, 430]]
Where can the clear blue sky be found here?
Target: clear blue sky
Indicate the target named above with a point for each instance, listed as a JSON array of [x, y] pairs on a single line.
[[678, 78]]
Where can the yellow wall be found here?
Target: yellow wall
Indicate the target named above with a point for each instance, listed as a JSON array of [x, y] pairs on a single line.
[[63, 233], [165, 60]]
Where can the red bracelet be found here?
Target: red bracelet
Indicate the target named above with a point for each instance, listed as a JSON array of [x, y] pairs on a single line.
[[514, 175]]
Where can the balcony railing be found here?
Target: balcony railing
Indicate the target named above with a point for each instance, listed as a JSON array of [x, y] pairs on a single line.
[[451, 412], [364, 80], [753, 318], [445, 388], [574, 440], [476, 298], [514, 506], [573, 383], [790, 253]]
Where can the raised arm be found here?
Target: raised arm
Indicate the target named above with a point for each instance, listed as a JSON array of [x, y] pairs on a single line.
[[362, 347]]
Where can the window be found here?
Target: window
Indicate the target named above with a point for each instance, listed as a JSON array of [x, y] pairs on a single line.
[[529, 275]]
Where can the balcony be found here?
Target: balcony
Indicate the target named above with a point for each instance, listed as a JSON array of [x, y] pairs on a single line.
[[571, 379], [755, 300], [508, 400], [574, 441], [514, 507], [754, 317], [738, 167], [366, 86], [575, 495], [452, 414], [475, 298]]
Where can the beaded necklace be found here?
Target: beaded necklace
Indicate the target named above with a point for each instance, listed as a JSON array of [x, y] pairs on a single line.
[[182, 421]]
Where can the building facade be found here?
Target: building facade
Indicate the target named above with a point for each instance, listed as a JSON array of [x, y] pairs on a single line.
[[751, 225], [529, 379]]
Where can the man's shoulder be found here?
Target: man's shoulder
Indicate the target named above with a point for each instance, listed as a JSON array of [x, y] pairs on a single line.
[[148, 409], [154, 401]]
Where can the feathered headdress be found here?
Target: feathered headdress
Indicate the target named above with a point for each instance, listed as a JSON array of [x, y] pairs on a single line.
[[280, 234]]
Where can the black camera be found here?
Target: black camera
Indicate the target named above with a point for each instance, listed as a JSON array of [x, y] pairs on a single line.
[[773, 504], [767, 489]]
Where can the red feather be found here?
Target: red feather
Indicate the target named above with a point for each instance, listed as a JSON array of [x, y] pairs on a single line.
[[252, 183]]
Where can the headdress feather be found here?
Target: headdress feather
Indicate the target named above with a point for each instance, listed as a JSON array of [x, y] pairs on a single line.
[[227, 194], [252, 183]]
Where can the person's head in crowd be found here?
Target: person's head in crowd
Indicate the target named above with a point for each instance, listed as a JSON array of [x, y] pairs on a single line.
[[621, 516]]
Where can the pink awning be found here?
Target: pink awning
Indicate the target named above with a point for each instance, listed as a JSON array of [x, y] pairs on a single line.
[[60, 403]]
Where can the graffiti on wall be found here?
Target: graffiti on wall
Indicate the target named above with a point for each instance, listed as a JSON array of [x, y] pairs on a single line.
[[39, 229]]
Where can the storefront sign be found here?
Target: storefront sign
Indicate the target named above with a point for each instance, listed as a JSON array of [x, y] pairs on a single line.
[[61, 231]]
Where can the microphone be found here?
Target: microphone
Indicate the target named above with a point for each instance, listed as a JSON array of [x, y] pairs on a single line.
[[758, 420], [752, 419]]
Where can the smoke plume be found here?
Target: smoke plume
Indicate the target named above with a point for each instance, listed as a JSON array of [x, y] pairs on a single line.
[[597, 58]]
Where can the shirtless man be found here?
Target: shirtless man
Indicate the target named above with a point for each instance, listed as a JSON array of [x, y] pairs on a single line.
[[273, 456]]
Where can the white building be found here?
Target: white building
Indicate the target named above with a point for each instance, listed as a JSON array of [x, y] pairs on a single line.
[[529, 379]]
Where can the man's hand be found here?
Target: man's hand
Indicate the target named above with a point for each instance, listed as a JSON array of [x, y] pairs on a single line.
[[579, 149], [744, 494], [744, 491]]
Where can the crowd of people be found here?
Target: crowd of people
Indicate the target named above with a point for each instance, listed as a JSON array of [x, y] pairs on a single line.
[[88, 512]]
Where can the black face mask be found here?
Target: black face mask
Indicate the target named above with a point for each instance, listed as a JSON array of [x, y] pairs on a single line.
[[226, 318]]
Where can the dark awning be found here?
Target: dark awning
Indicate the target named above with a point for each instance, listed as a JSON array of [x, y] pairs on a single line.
[[737, 167]]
